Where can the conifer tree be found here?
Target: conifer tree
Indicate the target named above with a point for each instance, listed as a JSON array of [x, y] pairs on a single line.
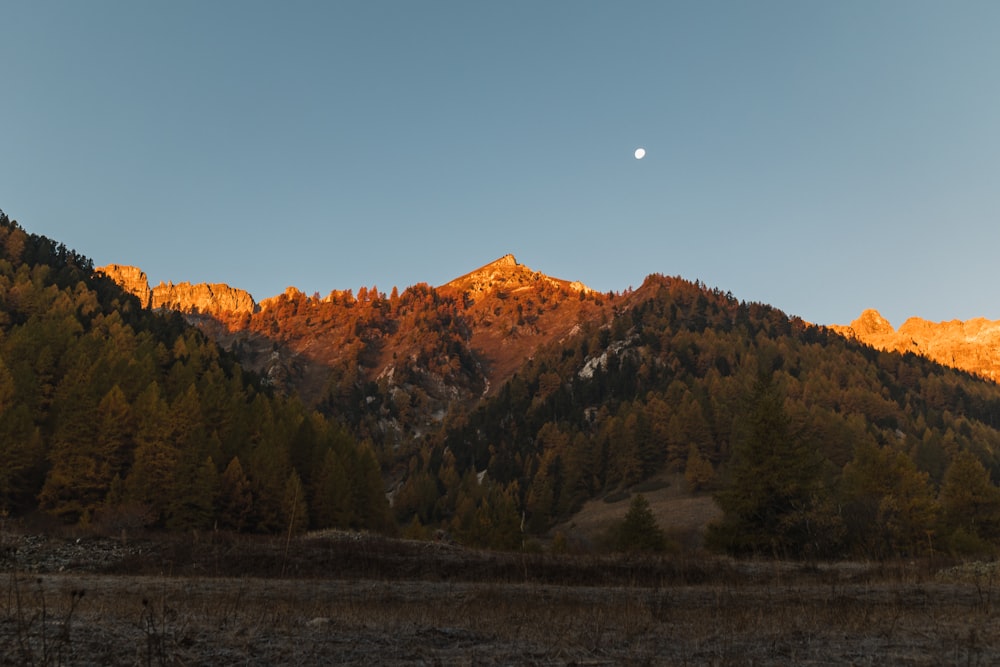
[[698, 471], [235, 502], [87, 452], [774, 485], [295, 511], [195, 496], [888, 503], [639, 530], [150, 482], [970, 503], [331, 494]]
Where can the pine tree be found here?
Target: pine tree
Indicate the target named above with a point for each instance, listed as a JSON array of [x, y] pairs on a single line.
[[888, 503], [88, 451], [970, 503], [195, 497], [639, 530], [235, 502], [294, 510], [698, 471], [774, 486], [331, 494], [150, 482]]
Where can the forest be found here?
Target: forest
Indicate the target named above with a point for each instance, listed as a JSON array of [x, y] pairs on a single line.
[[116, 416], [812, 445]]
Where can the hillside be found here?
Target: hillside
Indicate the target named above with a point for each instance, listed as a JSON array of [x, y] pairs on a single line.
[[810, 442], [390, 366], [117, 417]]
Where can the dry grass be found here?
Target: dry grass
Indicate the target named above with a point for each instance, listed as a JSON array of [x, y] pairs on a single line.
[[179, 621], [372, 601]]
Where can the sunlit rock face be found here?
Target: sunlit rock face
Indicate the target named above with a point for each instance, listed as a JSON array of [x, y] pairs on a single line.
[[132, 279], [506, 274], [871, 323], [203, 298], [972, 345], [207, 298]]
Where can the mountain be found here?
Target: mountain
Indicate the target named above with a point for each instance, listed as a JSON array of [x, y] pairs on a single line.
[[390, 366], [812, 443], [504, 400], [495, 406], [973, 345]]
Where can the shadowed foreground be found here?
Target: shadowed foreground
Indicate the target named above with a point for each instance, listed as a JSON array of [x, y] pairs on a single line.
[[726, 613]]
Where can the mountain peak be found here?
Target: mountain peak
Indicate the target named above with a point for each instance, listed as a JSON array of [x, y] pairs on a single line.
[[506, 260], [497, 266], [871, 322], [507, 273]]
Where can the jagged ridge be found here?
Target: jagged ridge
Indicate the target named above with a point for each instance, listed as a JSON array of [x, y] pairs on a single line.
[[200, 298], [971, 345]]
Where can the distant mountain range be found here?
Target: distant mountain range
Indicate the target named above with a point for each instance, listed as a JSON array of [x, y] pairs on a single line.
[[972, 345]]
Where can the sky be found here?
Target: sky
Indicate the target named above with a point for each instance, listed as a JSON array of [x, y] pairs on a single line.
[[822, 157]]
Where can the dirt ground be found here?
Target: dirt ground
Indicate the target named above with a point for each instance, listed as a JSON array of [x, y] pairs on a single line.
[[453, 607]]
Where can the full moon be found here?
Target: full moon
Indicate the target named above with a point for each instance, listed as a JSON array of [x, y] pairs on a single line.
[[640, 153]]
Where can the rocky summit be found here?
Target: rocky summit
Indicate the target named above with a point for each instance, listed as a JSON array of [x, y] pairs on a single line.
[[971, 345]]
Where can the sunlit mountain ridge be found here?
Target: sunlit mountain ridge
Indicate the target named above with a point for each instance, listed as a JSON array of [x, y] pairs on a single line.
[[970, 345]]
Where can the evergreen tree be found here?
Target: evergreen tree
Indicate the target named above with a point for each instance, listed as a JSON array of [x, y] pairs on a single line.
[[331, 494], [294, 509], [193, 506], [371, 509], [774, 488], [639, 530], [888, 503], [698, 471], [88, 449], [235, 502], [150, 482], [970, 504]]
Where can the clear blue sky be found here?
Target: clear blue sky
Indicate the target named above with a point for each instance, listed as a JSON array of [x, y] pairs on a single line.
[[823, 157]]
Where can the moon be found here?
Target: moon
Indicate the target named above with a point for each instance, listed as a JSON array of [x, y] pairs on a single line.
[[640, 153]]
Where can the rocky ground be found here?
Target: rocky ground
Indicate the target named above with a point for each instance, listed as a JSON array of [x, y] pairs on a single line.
[[97, 602]]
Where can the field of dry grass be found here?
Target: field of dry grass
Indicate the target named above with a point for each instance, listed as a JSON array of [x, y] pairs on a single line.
[[347, 599]]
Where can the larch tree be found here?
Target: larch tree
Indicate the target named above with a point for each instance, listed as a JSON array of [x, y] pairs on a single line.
[[970, 504], [775, 484]]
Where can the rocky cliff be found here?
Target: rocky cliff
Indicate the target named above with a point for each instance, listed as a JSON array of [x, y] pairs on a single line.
[[132, 279], [205, 298], [972, 345], [201, 298]]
